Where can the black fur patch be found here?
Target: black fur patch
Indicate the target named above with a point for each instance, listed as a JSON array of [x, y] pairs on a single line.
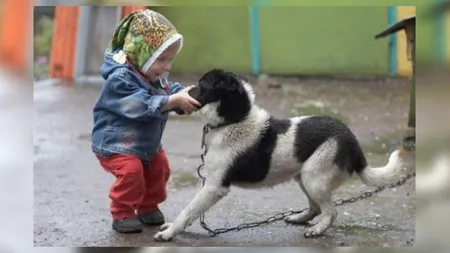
[[281, 126], [314, 131], [253, 165], [234, 107]]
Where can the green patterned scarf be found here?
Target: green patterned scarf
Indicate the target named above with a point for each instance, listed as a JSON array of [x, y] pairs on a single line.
[[143, 35]]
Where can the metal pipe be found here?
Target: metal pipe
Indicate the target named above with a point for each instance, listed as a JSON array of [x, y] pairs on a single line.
[[392, 10], [255, 40]]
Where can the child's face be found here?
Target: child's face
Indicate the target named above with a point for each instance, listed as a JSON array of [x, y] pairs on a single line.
[[163, 63]]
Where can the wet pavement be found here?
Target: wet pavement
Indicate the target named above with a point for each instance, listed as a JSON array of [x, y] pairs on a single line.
[[71, 189]]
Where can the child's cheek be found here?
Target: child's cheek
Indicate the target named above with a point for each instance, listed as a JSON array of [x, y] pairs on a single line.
[[149, 74]]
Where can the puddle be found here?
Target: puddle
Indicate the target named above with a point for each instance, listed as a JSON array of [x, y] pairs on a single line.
[[184, 180]]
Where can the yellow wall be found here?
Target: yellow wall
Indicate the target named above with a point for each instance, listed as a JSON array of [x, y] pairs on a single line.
[[404, 66]]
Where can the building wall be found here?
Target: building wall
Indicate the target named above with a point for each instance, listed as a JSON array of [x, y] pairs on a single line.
[[213, 37], [425, 48], [317, 45], [323, 40], [447, 36]]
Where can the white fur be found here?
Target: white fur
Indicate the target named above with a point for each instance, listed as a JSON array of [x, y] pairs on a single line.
[[317, 177], [385, 175], [250, 92], [208, 112]]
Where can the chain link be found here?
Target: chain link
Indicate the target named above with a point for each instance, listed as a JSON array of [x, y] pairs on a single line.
[[281, 215]]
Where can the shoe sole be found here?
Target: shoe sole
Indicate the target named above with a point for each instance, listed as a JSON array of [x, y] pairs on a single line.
[[127, 231]]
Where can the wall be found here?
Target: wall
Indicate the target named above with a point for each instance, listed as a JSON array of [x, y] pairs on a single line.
[[425, 48], [319, 44], [213, 37], [447, 37], [324, 40]]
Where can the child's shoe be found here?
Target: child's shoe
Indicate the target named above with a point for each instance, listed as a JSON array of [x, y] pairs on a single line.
[[128, 225], [152, 218]]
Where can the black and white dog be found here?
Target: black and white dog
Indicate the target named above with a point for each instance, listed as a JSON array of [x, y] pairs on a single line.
[[249, 148]]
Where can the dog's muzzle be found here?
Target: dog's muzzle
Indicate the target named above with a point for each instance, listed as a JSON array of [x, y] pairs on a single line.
[[195, 94]]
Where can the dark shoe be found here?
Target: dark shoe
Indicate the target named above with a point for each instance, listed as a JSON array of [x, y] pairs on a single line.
[[153, 218], [129, 225]]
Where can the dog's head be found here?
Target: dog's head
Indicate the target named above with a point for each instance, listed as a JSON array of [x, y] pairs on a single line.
[[226, 97]]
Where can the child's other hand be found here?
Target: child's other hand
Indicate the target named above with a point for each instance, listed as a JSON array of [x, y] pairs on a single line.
[[185, 102]]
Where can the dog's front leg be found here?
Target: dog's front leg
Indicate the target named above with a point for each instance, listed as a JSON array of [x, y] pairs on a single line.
[[208, 196]]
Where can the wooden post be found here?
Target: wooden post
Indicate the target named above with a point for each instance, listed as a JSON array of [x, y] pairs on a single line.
[[408, 25], [14, 34], [65, 30]]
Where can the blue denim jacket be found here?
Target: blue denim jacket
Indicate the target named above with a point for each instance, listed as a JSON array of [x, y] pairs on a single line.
[[127, 115]]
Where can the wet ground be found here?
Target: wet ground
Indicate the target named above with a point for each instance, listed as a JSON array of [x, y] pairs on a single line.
[[71, 189]]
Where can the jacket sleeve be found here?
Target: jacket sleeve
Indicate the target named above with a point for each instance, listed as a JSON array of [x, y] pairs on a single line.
[[175, 88], [131, 101]]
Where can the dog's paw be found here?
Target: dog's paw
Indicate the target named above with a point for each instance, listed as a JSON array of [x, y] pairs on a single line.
[[163, 236], [165, 226], [301, 218], [312, 232], [165, 233], [296, 219]]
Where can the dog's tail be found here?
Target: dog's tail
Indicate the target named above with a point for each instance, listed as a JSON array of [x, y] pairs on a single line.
[[386, 175]]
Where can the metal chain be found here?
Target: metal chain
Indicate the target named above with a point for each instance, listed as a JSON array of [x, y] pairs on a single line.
[[282, 215]]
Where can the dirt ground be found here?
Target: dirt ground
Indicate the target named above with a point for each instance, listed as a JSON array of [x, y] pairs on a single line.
[[71, 189]]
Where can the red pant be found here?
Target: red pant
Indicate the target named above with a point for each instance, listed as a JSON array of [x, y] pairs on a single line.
[[138, 188]]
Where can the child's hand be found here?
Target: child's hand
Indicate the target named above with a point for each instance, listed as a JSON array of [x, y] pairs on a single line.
[[185, 102]]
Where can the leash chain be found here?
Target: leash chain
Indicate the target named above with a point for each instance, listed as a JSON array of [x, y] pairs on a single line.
[[281, 215]]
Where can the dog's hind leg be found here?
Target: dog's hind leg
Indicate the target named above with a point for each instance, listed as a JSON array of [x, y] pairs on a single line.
[[311, 213], [319, 183], [207, 197]]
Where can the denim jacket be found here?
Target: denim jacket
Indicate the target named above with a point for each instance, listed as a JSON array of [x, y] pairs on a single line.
[[127, 115]]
